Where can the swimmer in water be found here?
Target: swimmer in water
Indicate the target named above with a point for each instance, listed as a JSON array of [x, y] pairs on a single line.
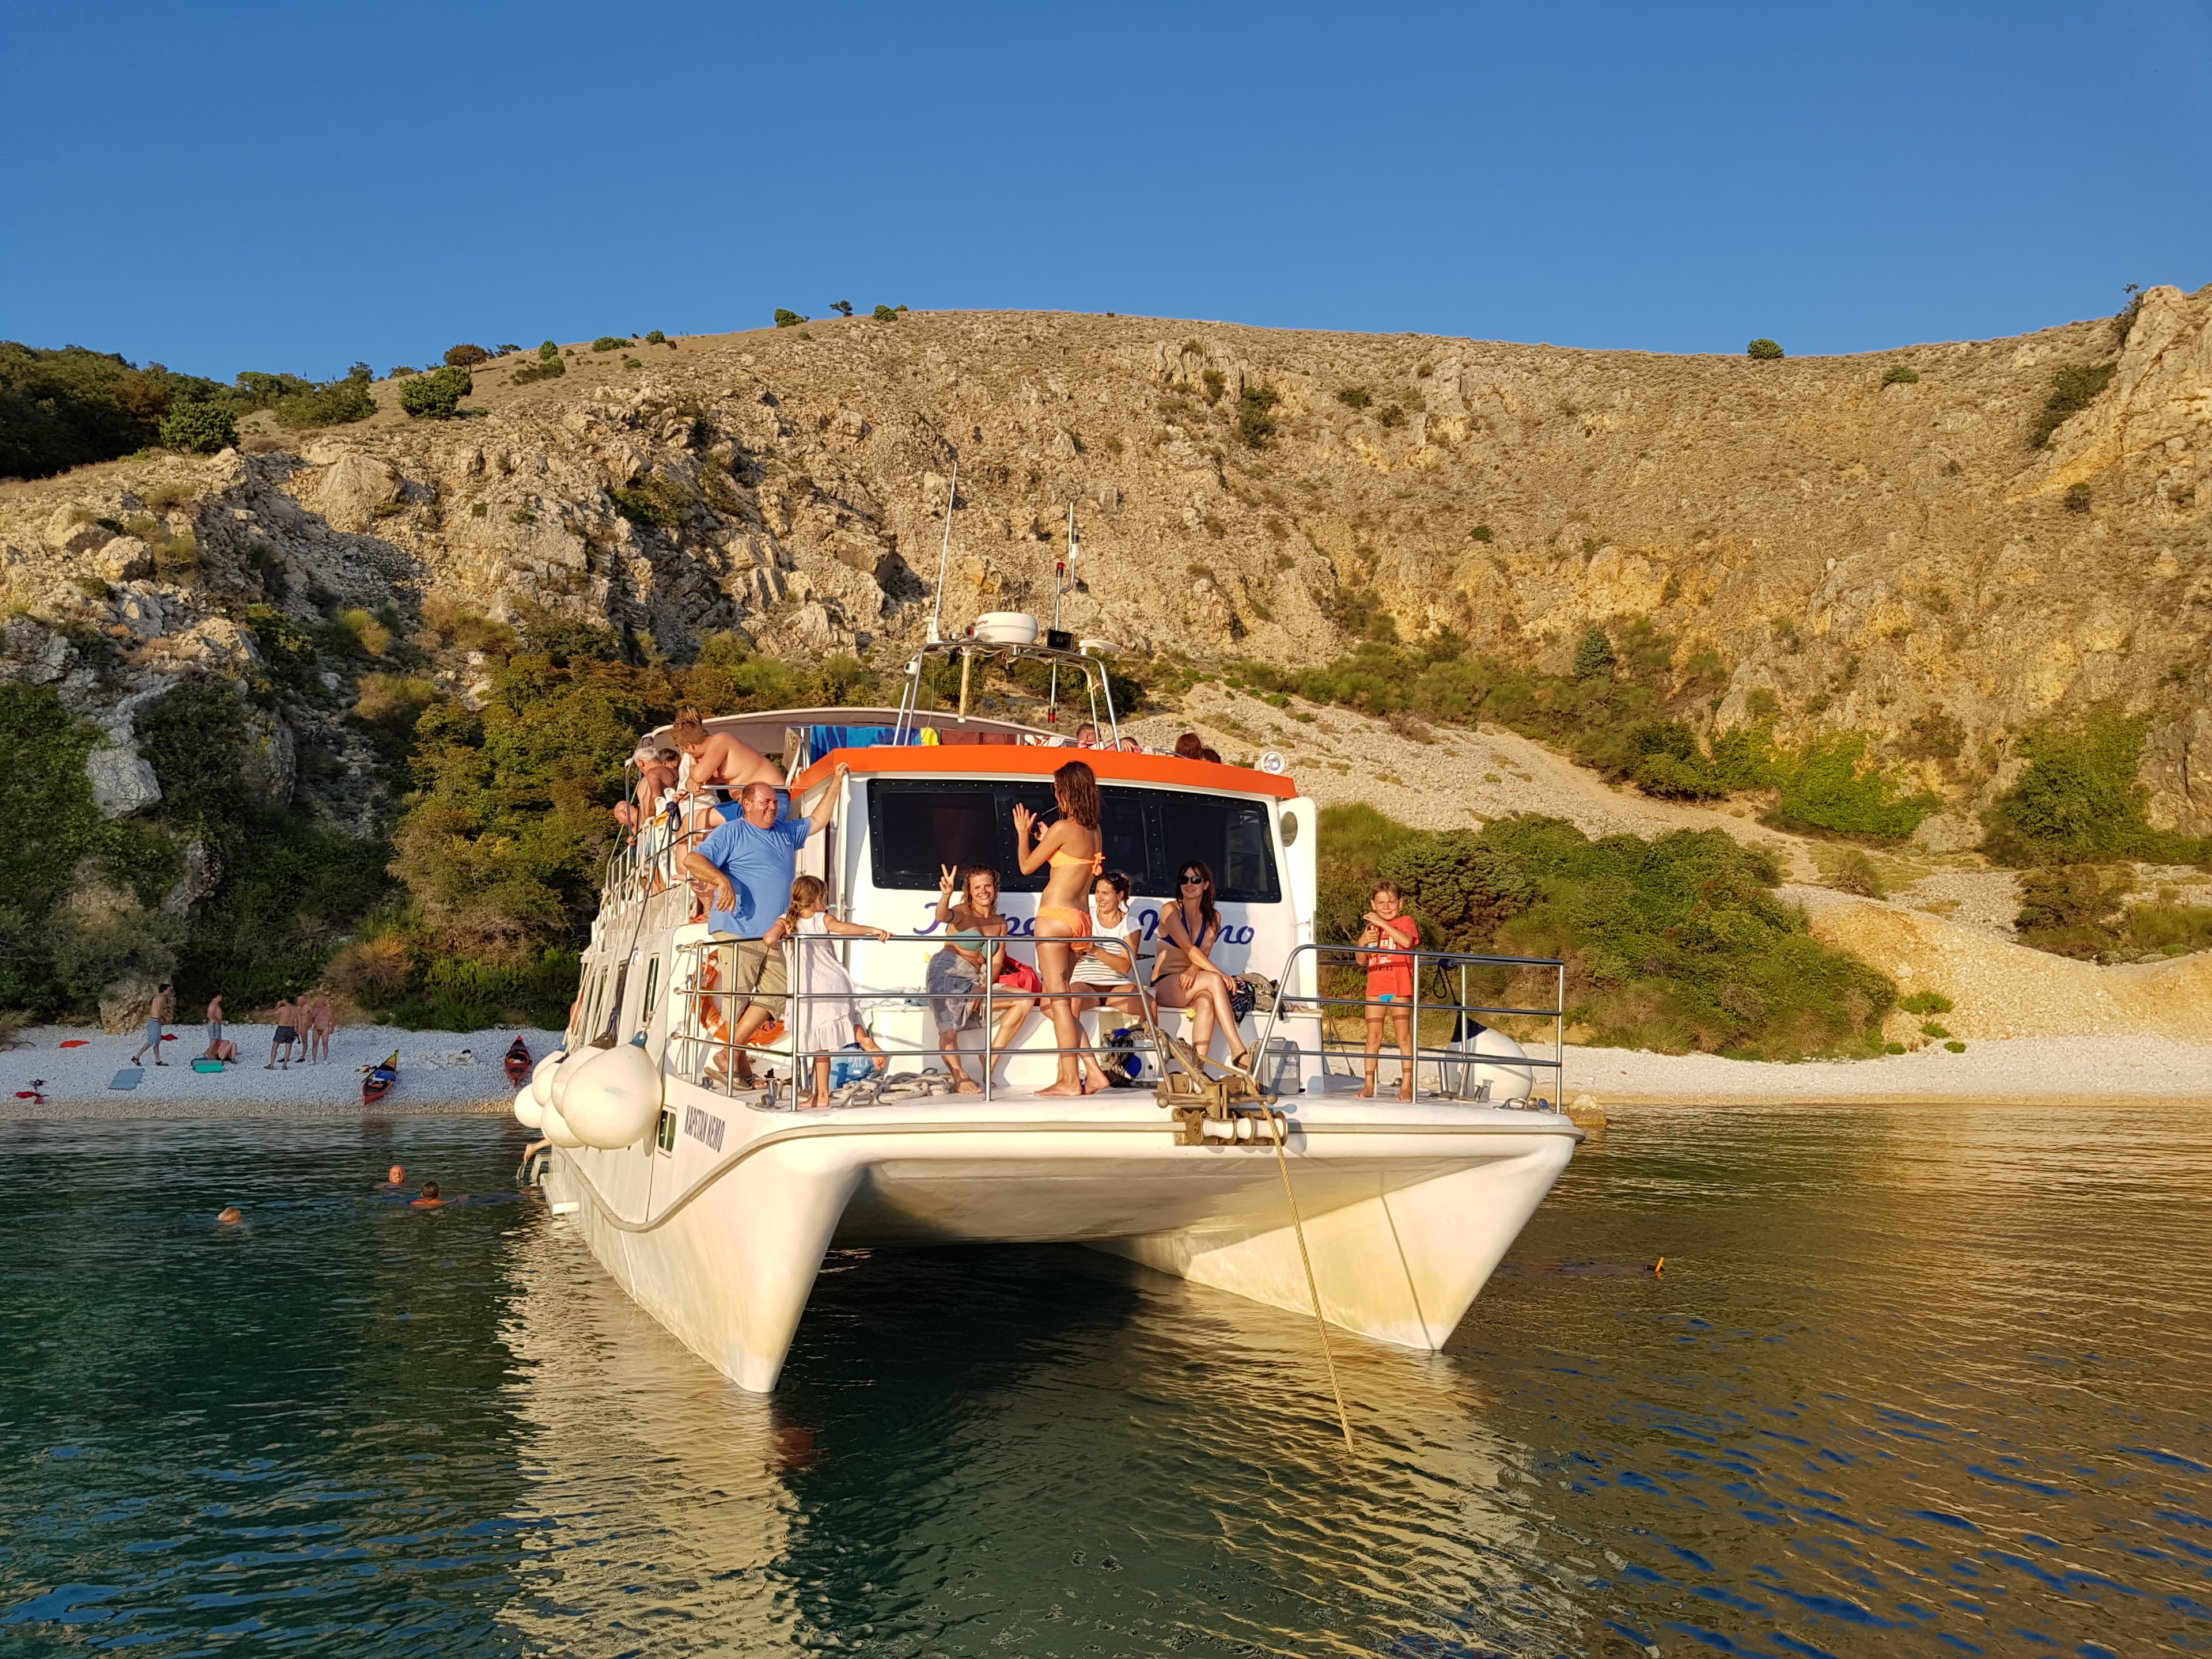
[[429, 1201], [230, 1216], [395, 1180]]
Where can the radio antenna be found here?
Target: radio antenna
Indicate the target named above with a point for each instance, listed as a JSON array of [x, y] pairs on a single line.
[[945, 553]]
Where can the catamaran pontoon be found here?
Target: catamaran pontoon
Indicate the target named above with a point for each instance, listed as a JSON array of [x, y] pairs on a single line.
[[713, 1205]]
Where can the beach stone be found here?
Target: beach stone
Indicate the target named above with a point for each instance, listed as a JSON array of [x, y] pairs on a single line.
[[123, 559]]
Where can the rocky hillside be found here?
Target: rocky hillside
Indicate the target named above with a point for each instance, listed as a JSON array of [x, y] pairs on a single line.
[[1869, 544]]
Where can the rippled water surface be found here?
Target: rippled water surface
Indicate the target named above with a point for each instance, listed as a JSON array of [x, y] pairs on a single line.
[[1913, 1381]]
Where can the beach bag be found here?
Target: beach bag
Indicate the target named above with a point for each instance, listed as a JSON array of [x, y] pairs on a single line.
[[1124, 1055], [1018, 976], [1242, 997]]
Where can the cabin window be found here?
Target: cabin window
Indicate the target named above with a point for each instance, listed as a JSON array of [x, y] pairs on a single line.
[[666, 1137], [646, 1006], [915, 829]]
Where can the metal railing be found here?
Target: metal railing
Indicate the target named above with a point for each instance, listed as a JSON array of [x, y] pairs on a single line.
[[1292, 1004], [701, 1047], [706, 1006]]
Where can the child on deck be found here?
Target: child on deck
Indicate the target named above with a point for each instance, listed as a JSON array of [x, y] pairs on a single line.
[[825, 1017], [1389, 981]]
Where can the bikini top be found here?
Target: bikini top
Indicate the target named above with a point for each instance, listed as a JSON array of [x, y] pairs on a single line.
[[1097, 861]]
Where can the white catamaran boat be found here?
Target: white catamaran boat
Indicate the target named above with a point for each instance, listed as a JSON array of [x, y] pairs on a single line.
[[712, 1204]]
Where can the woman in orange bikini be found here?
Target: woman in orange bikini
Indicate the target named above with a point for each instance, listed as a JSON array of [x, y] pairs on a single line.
[[1071, 846]]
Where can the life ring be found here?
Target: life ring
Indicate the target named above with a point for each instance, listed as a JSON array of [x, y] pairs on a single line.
[[713, 1019]]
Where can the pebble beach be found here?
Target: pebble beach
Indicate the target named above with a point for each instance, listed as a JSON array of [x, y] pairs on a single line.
[[440, 1072], [452, 1072]]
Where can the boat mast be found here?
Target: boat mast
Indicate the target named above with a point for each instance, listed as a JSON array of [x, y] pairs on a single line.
[[945, 553], [1061, 569]]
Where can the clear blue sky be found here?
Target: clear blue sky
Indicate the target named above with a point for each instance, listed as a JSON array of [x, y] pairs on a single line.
[[295, 187]]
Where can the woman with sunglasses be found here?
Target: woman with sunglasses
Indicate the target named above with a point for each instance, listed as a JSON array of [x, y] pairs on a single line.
[[1184, 977], [1072, 847]]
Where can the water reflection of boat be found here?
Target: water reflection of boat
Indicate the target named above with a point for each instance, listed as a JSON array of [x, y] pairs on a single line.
[[713, 1206], [971, 1444]]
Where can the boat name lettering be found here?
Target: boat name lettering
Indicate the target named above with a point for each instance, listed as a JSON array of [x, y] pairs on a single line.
[[704, 1126], [1025, 926]]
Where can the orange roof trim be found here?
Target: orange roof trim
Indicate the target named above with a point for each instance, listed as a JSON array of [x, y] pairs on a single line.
[[1028, 761]]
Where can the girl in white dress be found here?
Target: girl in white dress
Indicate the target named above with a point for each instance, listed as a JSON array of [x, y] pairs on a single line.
[[825, 1019]]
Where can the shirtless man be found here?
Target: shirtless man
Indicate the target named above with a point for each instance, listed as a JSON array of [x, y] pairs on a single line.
[[718, 761], [286, 1035], [430, 1199], [395, 1180]]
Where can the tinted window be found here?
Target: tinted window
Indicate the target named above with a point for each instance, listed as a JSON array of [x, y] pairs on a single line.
[[916, 829], [1229, 836]]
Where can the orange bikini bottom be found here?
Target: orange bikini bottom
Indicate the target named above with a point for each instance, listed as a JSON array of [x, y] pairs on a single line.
[[1072, 918]]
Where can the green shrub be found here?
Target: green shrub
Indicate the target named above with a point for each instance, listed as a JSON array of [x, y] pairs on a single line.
[[1926, 1002], [1676, 942], [400, 373], [1901, 374], [1480, 533], [1594, 656], [652, 499], [1955, 1047], [787, 319], [1255, 424], [466, 356], [548, 367], [1836, 786], [199, 428], [886, 314], [654, 337], [1354, 397], [610, 343], [2078, 801], [2077, 498], [69, 407], [1763, 351], [2072, 390], [1857, 875], [436, 396], [338, 403], [1392, 416]]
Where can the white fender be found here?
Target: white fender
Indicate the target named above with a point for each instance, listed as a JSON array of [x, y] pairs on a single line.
[[527, 1112], [565, 1074], [557, 1130], [1509, 1085], [541, 1077], [614, 1100]]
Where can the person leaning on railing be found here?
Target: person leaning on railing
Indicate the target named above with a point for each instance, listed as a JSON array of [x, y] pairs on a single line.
[[749, 863]]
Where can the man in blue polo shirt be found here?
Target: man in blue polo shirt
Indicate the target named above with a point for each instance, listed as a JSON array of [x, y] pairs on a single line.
[[750, 861]]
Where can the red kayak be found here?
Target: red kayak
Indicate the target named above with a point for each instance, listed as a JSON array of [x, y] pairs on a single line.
[[377, 1083], [518, 1063]]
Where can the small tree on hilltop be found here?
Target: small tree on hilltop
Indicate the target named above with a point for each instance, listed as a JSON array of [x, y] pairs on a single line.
[[787, 319], [842, 308], [1763, 351], [436, 396], [465, 356], [1594, 657], [198, 429]]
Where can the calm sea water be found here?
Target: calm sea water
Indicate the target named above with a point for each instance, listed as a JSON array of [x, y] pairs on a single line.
[[1912, 1382]]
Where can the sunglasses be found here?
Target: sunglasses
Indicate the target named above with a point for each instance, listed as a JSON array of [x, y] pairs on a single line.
[[1193, 881]]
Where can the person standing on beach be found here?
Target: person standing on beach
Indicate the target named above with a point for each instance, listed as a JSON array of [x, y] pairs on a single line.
[[286, 1035], [164, 1008], [322, 1020]]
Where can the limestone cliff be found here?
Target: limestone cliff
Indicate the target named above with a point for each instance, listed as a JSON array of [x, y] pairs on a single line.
[[1869, 550]]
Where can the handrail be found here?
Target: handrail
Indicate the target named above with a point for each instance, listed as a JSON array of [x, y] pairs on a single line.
[[1095, 679], [1411, 1063], [700, 1045]]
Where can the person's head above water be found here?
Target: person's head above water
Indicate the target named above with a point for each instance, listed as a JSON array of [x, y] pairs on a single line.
[[230, 1215], [429, 1189], [396, 1174]]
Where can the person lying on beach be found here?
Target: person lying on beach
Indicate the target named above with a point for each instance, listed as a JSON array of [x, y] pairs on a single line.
[[221, 1048], [395, 1180]]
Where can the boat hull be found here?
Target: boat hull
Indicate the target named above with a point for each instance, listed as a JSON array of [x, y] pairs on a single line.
[[1405, 1214]]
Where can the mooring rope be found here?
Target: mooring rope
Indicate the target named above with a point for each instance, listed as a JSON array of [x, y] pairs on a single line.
[[1343, 1419]]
